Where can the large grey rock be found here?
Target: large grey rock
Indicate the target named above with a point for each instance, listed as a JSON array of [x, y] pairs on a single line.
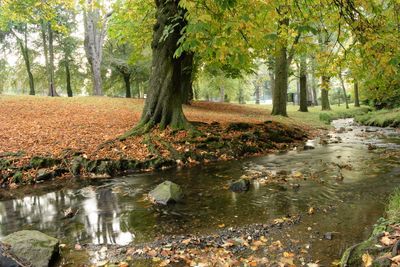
[[166, 192], [33, 247]]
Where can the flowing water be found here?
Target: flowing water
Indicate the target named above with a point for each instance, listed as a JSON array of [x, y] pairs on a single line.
[[345, 183]]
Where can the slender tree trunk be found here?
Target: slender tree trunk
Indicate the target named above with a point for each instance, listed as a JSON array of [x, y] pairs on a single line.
[[325, 93], [241, 95], [164, 100], [356, 96], [281, 80], [257, 94], [271, 72], [127, 80], [68, 79], [222, 94], [303, 84], [344, 90], [52, 89], [187, 77], [25, 55], [46, 52]]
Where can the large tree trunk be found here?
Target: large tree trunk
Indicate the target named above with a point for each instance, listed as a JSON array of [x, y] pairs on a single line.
[[325, 93], [68, 79], [281, 80], [164, 100], [45, 51], [52, 89], [127, 80], [187, 77], [25, 55], [344, 90], [356, 95], [95, 32], [303, 85]]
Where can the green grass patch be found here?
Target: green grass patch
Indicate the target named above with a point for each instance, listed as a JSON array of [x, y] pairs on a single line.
[[393, 208], [328, 116], [381, 118]]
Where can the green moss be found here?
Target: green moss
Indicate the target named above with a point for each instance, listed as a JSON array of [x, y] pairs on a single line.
[[17, 177], [43, 162]]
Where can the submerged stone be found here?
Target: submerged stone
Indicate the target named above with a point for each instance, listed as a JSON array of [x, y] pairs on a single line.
[[240, 185], [32, 247], [166, 192]]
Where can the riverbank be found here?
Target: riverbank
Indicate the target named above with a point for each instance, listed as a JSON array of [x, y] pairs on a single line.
[[380, 118], [46, 138], [382, 248]]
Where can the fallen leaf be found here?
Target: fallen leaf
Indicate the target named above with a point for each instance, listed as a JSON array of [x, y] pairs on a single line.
[[367, 260]]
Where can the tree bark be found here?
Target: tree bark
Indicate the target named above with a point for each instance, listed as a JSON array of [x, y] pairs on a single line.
[[68, 79], [127, 80], [95, 32], [165, 97], [25, 55], [325, 93], [257, 94], [187, 77], [356, 95], [52, 89], [222, 94], [303, 85], [344, 90], [281, 77]]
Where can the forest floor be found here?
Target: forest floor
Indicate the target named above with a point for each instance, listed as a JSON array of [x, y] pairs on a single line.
[[42, 138]]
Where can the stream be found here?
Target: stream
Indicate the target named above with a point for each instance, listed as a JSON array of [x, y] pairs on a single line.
[[346, 184]]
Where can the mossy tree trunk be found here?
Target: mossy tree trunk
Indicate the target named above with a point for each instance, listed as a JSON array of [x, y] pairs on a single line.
[[165, 95], [325, 93], [303, 84], [52, 89], [356, 96]]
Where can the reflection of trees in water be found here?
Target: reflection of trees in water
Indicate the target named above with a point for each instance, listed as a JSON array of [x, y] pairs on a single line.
[[33, 212], [101, 219]]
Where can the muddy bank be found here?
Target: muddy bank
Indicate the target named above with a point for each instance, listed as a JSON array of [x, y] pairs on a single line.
[[155, 151]]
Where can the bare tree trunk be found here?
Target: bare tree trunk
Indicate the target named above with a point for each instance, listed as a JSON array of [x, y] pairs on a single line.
[[356, 95], [344, 90], [52, 89], [25, 54], [68, 79], [95, 32], [303, 84], [325, 93], [281, 79], [187, 77], [222, 94], [127, 80], [164, 100], [257, 94]]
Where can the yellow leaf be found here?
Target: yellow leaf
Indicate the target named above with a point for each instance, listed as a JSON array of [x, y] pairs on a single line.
[[367, 260]]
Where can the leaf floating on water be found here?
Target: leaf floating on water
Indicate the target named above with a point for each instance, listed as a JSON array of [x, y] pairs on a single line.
[[367, 260]]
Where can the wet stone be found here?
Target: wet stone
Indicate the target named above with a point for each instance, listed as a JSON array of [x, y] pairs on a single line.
[[240, 185], [166, 192], [32, 247]]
